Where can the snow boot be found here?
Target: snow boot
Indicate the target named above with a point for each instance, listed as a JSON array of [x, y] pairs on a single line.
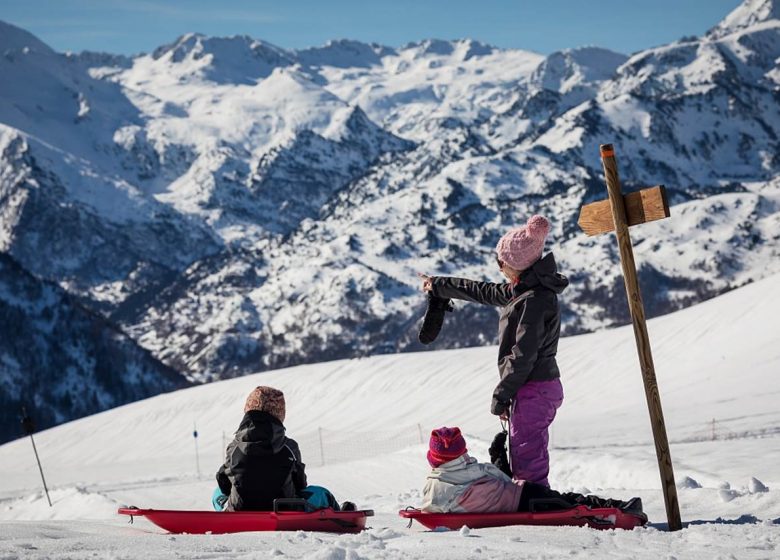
[[591, 501], [434, 318], [634, 507], [348, 506], [598, 502]]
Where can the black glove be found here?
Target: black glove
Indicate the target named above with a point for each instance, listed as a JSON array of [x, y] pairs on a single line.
[[498, 407], [497, 451], [434, 318]]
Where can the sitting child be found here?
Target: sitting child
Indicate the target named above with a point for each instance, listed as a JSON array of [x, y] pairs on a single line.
[[459, 484], [262, 463]]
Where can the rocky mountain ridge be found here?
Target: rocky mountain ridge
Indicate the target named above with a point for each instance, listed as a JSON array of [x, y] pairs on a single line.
[[60, 360]]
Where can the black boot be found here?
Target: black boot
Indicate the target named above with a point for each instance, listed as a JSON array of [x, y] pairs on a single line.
[[597, 502], [434, 318], [634, 505], [348, 506], [592, 501]]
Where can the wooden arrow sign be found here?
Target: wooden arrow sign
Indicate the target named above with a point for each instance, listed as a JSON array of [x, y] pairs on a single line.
[[642, 206], [615, 214]]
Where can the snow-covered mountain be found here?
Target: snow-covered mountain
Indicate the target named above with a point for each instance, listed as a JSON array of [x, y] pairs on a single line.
[[62, 361], [236, 206]]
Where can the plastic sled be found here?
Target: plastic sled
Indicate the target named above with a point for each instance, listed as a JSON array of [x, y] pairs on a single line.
[[582, 516], [281, 519]]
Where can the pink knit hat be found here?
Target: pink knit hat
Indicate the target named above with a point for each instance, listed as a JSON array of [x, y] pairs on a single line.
[[266, 399], [521, 247], [446, 444]]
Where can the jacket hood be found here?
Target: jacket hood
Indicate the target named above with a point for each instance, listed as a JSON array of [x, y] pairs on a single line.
[[543, 272], [461, 463], [260, 433]]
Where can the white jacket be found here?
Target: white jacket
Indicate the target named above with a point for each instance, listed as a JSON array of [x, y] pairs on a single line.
[[465, 485]]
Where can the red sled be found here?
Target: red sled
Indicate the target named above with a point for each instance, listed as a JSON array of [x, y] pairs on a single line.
[[220, 522], [580, 516]]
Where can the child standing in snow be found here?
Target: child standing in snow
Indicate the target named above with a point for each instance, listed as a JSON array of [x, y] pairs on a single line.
[[529, 392], [458, 483], [263, 464]]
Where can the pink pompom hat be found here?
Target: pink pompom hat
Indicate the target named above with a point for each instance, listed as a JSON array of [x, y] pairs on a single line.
[[521, 247]]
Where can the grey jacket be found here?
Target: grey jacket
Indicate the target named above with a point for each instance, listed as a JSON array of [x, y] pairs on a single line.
[[529, 324]]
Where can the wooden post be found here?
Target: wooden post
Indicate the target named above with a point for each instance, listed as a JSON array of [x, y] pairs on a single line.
[[640, 334]]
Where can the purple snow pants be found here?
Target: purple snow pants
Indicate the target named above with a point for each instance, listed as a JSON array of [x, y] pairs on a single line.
[[533, 411]]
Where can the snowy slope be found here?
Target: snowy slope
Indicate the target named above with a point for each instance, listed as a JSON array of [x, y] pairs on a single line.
[[717, 360], [748, 13]]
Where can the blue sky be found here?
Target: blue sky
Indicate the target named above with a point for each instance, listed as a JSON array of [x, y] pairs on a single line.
[[131, 26]]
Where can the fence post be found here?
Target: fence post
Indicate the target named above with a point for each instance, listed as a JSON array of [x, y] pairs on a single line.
[[419, 430]]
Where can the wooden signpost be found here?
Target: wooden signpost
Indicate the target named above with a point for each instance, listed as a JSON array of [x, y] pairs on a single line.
[[618, 213]]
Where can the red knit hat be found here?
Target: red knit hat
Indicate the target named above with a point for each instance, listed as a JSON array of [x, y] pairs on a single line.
[[521, 247], [446, 444]]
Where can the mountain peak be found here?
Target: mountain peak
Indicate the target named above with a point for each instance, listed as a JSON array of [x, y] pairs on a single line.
[[13, 38], [462, 49], [564, 70], [344, 53], [747, 14], [236, 59], [181, 47]]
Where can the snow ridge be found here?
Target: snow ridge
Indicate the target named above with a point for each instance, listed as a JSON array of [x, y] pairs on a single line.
[[748, 14]]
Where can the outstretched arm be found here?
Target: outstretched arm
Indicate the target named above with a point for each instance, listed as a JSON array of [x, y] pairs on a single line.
[[487, 293]]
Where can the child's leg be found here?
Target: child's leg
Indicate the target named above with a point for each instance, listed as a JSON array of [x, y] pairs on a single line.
[[319, 497], [533, 411], [536, 497]]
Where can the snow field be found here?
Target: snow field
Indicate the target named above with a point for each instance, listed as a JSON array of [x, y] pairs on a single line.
[[715, 360]]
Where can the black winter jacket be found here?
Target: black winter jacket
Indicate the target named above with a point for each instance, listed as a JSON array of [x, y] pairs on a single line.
[[529, 324], [261, 464]]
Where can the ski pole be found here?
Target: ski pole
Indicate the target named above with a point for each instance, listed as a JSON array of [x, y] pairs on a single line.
[[197, 459], [29, 428]]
